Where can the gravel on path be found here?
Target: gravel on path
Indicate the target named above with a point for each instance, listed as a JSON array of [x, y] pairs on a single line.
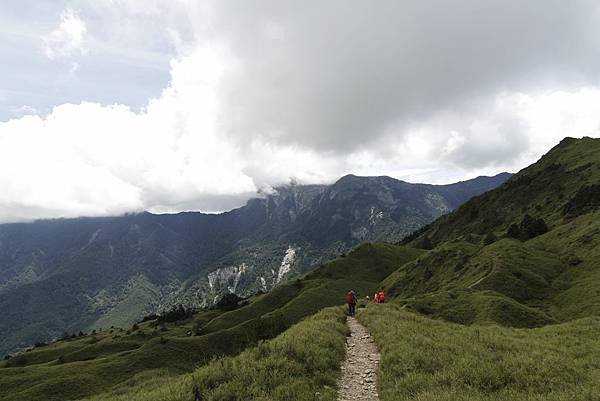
[[359, 369]]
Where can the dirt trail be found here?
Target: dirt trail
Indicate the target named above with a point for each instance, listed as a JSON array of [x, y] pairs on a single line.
[[359, 369]]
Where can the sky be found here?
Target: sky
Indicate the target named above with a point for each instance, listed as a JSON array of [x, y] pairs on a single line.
[[115, 106]]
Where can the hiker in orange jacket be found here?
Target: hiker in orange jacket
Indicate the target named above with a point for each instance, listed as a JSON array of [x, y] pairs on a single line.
[[351, 301]]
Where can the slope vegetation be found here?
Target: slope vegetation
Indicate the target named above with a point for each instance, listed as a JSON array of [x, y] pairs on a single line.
[[498, 300], [90, 273], [430, 359], [109, 360], [525, 254], [300, 364]]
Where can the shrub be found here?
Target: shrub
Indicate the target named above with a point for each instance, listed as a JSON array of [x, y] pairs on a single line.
[[425, 243], [152, 316], [490, 238], [585, 200], [527, 229], [228, 302], [513, 231], [175, 314]]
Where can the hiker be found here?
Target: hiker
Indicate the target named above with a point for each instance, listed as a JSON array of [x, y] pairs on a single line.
[[376, 298], [351, 300], [381, 296]]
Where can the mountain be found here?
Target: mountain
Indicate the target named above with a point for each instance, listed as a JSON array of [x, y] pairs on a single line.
[[80, 274], [498, 299], [114, 360], [524, 254]]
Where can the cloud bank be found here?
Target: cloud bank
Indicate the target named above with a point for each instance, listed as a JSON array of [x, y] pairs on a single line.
[[262, 94]]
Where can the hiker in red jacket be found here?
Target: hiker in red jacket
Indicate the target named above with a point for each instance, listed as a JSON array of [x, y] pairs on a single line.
[[381, 296], [351, 301]]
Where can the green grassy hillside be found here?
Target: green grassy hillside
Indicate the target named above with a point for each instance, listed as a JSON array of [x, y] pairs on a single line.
[[563, 184], [425, 359], [498, 301], [525, 254], [86, 273], [108, 360], [300, 364]]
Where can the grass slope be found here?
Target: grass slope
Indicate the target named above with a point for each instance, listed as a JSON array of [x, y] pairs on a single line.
[[476, 273], [425, 359], [300, 364], [561, 185], [103, 362]]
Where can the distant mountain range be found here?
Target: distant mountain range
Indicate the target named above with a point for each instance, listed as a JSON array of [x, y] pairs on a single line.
[[67, 275]]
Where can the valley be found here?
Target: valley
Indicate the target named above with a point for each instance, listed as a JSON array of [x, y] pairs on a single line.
[[71, 275], [496, 300]]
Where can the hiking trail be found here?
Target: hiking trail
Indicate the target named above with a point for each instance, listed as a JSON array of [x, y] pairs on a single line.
[[359, 369]]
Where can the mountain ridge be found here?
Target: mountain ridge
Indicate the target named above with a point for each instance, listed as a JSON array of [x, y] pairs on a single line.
[[93, 272], [475, 289]]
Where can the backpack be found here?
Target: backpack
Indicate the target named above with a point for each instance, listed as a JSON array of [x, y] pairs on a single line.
[[350, 297], [381, 296]]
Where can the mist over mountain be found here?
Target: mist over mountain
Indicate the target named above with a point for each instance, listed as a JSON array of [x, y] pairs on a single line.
[[496, 287], [83, 273]]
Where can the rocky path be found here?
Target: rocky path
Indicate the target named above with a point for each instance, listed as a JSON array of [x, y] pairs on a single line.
[[359, 369]]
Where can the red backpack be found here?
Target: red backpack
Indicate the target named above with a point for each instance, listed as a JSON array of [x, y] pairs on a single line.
[[381, 296], [350, 297]]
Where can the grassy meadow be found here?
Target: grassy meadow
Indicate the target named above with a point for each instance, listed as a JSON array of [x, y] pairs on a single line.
[[110, 360], [427, 359], [477, 315], [300, 364]]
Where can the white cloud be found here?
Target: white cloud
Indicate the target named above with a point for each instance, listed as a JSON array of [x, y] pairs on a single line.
[[232, 119], [68, 38], [89, 159]]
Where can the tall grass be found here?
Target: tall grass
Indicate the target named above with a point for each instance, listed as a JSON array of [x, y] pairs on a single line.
[[425, 359], [300, 364]]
